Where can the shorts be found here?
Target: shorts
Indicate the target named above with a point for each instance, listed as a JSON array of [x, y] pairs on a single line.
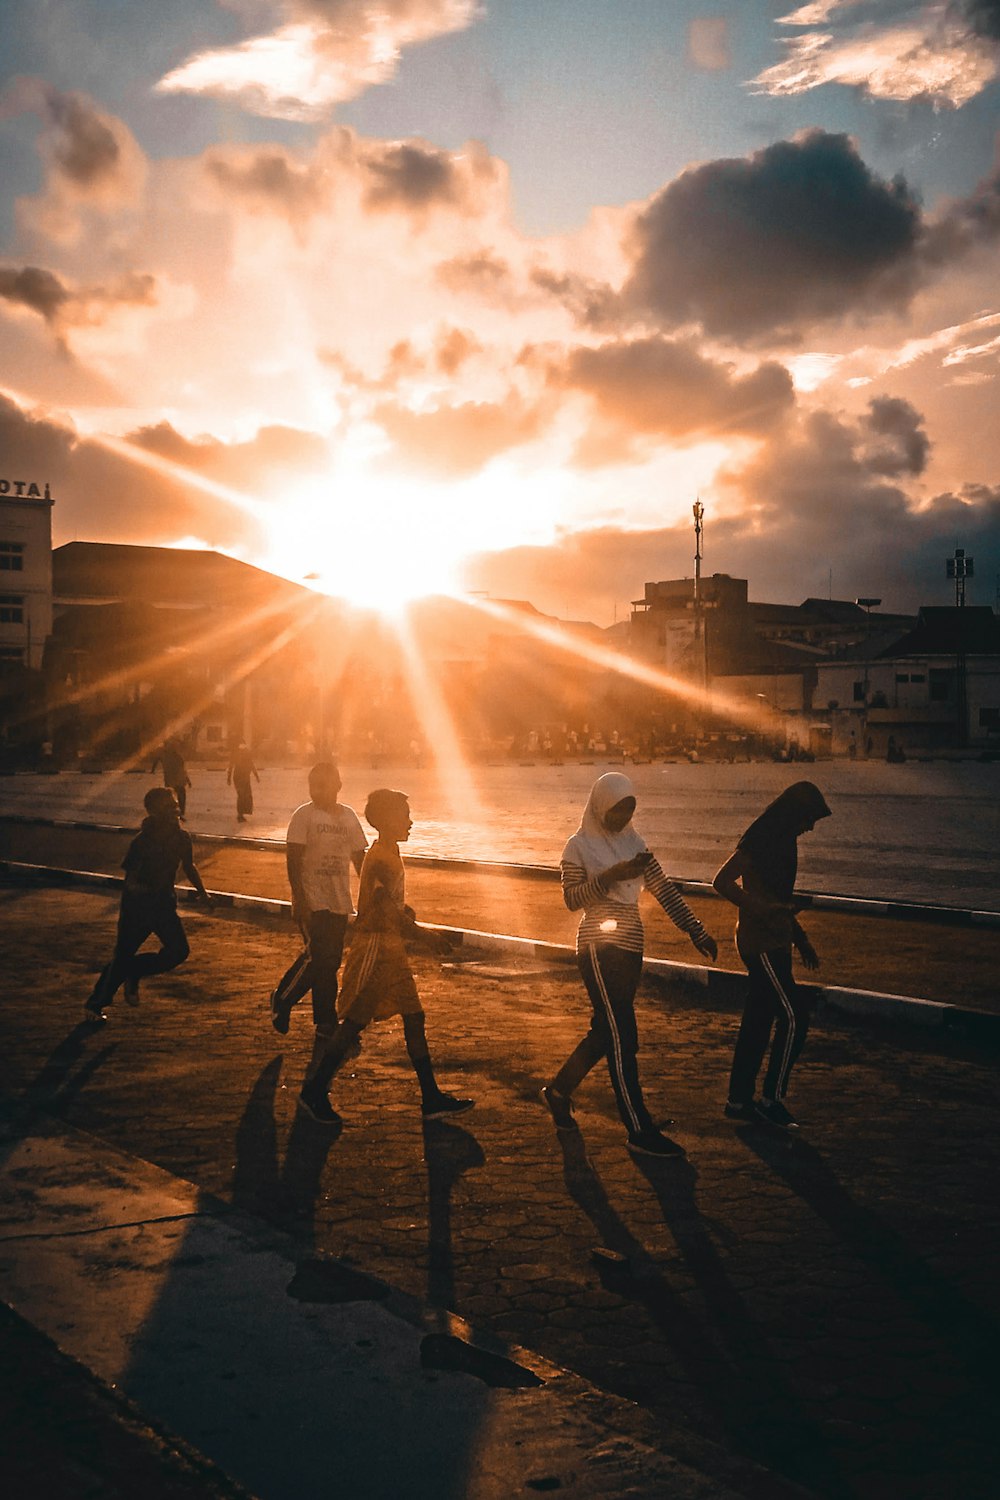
[[377, 981]]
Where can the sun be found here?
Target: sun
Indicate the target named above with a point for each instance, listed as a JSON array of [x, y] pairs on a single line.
[[378, 543], [382, 541]]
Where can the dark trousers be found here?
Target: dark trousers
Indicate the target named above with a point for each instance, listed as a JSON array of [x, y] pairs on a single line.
[[315, 968], [611, 976], [139, 918], [244, 798], [181, 793], [773, 1000]]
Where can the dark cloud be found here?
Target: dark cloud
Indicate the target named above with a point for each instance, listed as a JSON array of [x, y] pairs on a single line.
[[965, 224], [268, 178], [90, 154], [64, 307], [658, 388], [35, 288], [984, 17], [101, 496], [899, 443], [800, 231], [87, 148], [411, 175], [593, 304], [453, 441]]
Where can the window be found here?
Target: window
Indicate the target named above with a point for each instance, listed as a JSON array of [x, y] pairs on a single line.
[[902, 676], [989, 718], [11, 609], [11, 653], [918, 677], [859, 692], [942, 684], [11, 557]]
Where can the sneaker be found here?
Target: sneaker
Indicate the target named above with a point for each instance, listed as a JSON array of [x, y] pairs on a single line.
[[446, 1105], [280, 1017], [316, 1105], [747, 1112], [560, 1108], [131, 992], [775, 1113], [654, 1143]]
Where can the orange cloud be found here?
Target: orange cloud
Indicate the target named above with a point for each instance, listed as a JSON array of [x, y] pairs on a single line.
[[324, 52]]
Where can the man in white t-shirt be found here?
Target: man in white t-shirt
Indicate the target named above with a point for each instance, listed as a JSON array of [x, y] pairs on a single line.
[[324, 839]]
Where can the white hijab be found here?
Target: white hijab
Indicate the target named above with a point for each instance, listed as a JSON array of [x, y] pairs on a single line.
[[595, 847]]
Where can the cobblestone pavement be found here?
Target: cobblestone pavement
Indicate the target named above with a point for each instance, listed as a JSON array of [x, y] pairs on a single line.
[[826, 1307]]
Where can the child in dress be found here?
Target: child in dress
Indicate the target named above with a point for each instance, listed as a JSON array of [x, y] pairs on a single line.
[[378, 981]]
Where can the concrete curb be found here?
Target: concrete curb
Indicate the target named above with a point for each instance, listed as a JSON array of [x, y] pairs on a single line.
[[897, 911], [722, 985]]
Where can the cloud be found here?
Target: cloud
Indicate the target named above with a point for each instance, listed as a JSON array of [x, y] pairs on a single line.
[[92, 161], [831, 497], [667, 391], [798, 232], [103, 495], [325, 52], [708, 43], [945, 51], [63, 307], [449, 442], [410, 177]]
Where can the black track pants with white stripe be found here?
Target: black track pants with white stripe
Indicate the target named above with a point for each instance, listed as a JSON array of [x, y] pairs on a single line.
[[773, 999], [611, 975]]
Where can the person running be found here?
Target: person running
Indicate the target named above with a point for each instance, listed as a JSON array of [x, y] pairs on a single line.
[[241, 768], [175, 774], [324, 839], [759, 879], [149, 903], [605, 866], [378, 980]]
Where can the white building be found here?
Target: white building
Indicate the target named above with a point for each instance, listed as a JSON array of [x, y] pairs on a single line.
[[25, 571]]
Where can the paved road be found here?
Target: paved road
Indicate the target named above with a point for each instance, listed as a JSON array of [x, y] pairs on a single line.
[[917, 832], [827, 1308]]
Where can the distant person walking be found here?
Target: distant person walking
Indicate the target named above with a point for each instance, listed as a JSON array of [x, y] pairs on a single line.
[[324, 839], [759, 879], [149, 904], [378, 980], [241, 769], [605, 866], [175, 774]]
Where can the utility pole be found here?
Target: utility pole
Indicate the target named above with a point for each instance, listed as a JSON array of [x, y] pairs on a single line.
[[960, 567], [701, 653]]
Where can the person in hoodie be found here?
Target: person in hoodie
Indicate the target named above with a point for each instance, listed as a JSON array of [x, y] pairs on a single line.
[[759, 879], [605, 866], [149, 904]]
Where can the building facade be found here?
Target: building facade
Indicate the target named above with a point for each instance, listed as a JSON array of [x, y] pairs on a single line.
[[25, 572]]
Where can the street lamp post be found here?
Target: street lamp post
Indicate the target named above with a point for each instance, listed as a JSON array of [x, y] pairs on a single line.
[[867, 604]]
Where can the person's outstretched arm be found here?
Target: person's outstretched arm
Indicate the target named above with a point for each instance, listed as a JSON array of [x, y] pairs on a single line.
[[662, 889]]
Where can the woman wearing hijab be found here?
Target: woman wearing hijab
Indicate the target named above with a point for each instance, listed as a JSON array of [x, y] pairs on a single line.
[[759, 879], [604, 867]]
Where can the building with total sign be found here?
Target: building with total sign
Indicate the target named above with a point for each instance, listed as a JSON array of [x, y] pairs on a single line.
[[25, 572]]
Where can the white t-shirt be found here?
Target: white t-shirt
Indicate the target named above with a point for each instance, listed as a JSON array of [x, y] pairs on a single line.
[[330, 838]]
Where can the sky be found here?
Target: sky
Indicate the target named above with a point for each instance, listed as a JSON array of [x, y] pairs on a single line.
[[400, 296]]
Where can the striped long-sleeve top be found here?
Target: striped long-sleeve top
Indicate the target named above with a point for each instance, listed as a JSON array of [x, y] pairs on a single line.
[[618, 922]]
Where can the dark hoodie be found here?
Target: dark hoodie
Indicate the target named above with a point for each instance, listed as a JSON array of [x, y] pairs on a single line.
[[770, 847], [150, 865]]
